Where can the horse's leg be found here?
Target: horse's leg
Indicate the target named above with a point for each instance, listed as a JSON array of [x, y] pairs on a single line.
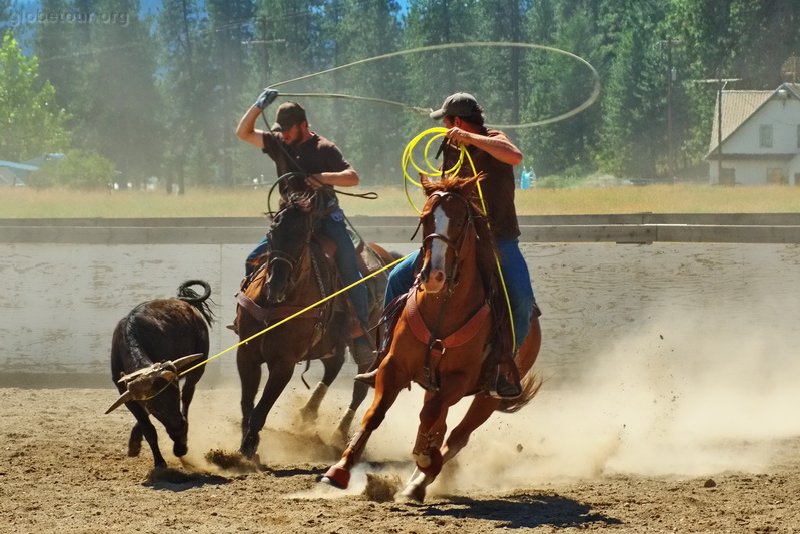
[[481, 408], [479, 411], [430, 436], [332, 366], [360, 390], [280, 372], [388, 384], [249, 366]]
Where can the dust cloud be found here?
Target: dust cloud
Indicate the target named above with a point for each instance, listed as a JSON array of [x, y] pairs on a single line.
[[686, 396], [683, 396]]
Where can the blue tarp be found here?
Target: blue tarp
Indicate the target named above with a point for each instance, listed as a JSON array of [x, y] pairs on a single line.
[[18, 166]]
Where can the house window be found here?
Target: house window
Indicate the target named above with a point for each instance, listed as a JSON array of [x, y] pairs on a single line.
[[765, 135]]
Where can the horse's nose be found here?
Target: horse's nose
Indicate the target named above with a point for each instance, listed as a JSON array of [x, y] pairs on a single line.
[[275, 297], [435, 281]]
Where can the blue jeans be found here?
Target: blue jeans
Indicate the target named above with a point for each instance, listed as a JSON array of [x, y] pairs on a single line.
[[345, 260], [250, 263], [515, 273]]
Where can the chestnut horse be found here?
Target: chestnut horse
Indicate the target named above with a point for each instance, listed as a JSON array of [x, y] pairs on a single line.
[[296, 274], [443, 337]]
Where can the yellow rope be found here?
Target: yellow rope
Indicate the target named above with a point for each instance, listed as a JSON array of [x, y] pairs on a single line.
[[436, 133], [304, 310]]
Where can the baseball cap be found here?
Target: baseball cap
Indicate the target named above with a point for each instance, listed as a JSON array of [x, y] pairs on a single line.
[[289, 114], [457, 105]]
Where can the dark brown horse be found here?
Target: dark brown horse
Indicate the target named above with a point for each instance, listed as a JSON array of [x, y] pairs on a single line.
[[297, 273], [443, 338]]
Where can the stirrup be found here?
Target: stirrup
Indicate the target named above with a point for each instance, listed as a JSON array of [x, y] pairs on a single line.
[[505, 389]]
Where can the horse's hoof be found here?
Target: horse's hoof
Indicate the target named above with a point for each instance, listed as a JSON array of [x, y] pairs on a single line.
[[337, 477], [308, 416], [249, 448], [435, 466], [414, 494]]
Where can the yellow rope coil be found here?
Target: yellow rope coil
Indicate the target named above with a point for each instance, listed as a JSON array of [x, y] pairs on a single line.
[[433, 171]]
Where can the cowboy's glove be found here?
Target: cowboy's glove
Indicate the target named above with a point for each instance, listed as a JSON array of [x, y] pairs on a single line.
[[266, 98]]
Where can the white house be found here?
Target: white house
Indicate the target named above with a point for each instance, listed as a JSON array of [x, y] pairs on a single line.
[[760, 137]]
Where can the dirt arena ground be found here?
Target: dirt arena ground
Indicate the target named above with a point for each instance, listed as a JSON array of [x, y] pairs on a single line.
[[683, 418], [666, 464]]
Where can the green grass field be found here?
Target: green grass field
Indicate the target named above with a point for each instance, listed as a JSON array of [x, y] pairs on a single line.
[[59, 203]]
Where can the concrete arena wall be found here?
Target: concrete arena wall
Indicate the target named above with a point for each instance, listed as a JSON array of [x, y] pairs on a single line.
[[59, 302]]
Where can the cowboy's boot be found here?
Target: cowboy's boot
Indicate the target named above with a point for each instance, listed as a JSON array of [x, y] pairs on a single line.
[[390, 314], [234, 326], [507, 385], [368, 377]]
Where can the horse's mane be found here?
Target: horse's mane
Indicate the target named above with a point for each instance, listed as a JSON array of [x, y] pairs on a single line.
[[304, 201]]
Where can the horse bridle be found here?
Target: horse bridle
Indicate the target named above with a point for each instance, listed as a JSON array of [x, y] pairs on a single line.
[[456, 244], [290, 260]]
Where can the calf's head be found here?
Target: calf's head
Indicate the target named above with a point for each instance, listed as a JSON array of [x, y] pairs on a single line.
[[156, 388]]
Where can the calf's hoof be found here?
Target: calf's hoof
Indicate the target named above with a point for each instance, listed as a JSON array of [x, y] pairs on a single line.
[[134, 449]]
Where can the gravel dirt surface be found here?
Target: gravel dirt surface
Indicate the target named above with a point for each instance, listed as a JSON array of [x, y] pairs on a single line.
[[64, 468]]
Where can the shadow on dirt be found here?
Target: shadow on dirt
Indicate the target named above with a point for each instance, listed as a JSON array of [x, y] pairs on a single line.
[[278, 472], [175, 480], [521, 511]]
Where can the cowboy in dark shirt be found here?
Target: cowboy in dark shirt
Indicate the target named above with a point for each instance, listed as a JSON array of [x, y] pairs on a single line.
[[294, 147]]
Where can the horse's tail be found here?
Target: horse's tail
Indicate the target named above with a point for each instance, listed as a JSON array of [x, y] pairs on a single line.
[[531, 383], [187, 294]]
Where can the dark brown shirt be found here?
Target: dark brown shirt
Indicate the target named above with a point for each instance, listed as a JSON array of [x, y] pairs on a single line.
[[497, 185], [312, 156]]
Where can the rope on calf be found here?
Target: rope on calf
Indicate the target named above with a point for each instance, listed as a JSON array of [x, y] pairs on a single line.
[[304, 310]]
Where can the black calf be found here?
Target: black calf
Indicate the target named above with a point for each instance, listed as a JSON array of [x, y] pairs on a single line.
[[151, 346]]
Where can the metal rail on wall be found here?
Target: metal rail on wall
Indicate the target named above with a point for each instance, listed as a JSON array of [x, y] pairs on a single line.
[[627, 228]]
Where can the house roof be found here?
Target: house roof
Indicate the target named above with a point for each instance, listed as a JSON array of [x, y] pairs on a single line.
[[737, 107]]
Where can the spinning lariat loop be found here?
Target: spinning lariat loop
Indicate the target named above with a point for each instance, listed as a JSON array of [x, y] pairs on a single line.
[[460, 46], [407, 159]]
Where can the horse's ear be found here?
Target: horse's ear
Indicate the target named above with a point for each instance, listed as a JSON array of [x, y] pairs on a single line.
[[428, 185], [468, 185]]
